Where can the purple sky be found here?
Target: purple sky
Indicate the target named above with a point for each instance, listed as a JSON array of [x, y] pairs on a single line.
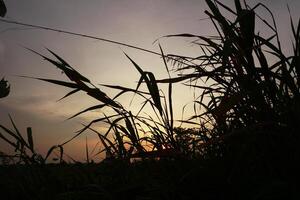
[[137, 22]]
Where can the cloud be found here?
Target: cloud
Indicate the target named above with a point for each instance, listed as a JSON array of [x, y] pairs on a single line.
[[41, 105]]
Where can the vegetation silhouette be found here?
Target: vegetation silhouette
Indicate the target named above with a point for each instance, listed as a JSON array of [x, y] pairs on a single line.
[[245, 144], [3, 9], [4, 88]]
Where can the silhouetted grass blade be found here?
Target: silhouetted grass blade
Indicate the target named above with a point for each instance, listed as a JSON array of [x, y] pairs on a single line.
[[107, 143], [10, 132], [7, 140], [69, 94], [88, 109], [61, 150], [21, 139], [56, 82], [150, 80], [69, 71], [101, 96], [30, 139], [2, 9]]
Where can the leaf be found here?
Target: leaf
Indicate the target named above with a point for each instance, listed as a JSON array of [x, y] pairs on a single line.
[[57, 82], [4, 88], [171, 120], [103, 140], [120, 142], [125, 89], [247, 27], [268, 43], [135, 65], [218, 16], [164, 59], [177, 79], [227, 103], [101, 96], [238, 6], [69, 94], [70, 72], [50, 151], [30, 139], [20, 138], [151, 82], [61, 150], [207, 40], [88, 109], [3, 9], [7, 140], [87, 150], [10, 132], [130, 128], [154, 91]]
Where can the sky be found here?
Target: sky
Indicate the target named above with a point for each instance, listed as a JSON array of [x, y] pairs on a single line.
[[137, 22]]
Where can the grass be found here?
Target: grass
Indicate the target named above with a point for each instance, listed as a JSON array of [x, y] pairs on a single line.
[[245, 144], [141, 180], [24, 150]]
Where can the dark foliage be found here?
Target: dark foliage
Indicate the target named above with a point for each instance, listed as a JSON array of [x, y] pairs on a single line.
[[4, 88], [2, 9]]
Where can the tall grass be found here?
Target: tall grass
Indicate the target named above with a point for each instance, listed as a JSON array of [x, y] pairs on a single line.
[[249, 118], [251, 87], [129, 135], [24, 149]]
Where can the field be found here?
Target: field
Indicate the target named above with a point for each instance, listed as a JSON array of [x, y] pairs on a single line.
[[145, 180]]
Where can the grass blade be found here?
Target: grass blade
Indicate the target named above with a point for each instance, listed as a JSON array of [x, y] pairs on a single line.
[[30, 139]]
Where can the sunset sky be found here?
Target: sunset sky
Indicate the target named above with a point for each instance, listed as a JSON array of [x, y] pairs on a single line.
[[136, 22]]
